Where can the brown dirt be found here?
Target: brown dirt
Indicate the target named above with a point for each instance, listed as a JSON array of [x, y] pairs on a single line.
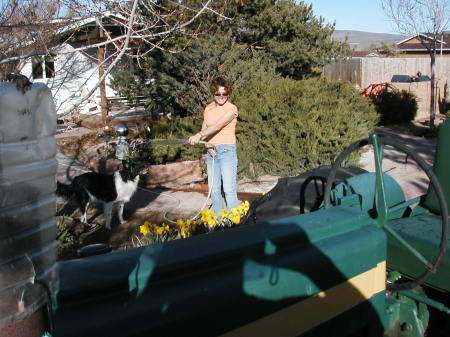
[[118, 238], [74, 146]]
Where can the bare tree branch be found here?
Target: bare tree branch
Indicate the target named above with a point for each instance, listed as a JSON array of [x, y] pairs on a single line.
[[144, 24], [425, 19]]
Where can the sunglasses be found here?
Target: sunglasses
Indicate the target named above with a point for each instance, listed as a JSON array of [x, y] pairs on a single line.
[[221, 95]]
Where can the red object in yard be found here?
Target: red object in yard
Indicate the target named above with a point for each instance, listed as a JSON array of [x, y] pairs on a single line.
[[375, 89]]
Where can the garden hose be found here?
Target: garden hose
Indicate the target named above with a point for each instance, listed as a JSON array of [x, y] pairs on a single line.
[[203, 206], [209, 190]]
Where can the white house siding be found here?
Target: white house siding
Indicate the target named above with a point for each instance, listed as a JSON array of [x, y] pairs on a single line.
[[76, 74]]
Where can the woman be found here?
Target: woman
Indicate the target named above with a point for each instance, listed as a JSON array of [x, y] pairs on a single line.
[[218, 128]]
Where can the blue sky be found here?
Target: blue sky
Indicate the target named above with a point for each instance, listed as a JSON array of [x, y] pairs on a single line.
[[363, 15]]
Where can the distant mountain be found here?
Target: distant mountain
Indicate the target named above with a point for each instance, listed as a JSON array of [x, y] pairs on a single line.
[[362, 40]]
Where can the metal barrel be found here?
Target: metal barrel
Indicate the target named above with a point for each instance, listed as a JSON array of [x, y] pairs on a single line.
[[27, 207]]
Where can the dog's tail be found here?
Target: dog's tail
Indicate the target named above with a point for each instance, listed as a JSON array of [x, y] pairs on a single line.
[[63, 190]]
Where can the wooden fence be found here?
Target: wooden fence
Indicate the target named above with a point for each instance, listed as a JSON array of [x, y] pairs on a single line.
[[369, 70]]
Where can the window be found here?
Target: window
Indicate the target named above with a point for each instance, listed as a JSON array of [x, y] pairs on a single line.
[[40, 64], [49, 66], [36, 65]]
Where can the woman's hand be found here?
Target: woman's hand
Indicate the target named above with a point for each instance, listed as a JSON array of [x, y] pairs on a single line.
[[212, 151], [195, 138]]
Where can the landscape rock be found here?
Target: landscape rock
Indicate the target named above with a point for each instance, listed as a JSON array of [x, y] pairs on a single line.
[[95, 121], [174, 175]]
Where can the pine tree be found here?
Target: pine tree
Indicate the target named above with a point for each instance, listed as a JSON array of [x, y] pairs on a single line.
[[295, 39], [281, 38]]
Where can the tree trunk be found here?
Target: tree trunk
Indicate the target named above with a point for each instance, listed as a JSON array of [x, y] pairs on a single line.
[[102, 86]]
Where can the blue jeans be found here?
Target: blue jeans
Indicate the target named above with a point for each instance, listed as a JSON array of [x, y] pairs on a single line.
[[223, 172]]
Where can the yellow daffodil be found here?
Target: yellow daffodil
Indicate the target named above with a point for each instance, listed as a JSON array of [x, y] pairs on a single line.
[[144, 229], [212, 223], [192, 224], [235, 218], [223, 214], [160, 230], [236, 211], [185, 232], [209, 217]]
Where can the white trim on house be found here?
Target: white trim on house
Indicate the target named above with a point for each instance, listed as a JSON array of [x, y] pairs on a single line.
[[416, 36]]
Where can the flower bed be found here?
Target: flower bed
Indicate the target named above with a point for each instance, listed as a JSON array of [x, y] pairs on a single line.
[[184, 228]]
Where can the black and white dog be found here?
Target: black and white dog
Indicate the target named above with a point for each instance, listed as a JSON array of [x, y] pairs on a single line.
[[111, 189]]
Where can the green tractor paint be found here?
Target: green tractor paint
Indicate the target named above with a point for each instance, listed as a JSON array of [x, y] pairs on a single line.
[[349, 266]]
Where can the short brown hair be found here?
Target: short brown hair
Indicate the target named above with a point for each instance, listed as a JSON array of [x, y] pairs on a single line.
[[221, 82]]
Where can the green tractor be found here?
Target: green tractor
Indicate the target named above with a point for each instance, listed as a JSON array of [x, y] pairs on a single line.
[[343, 255], [358, 260]]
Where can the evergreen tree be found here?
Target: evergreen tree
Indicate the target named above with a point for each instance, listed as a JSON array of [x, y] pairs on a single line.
[[290, 34], [180, 82], [281, 38]]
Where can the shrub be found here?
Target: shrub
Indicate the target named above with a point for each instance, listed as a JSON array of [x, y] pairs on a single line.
[[395, 106], [127, 84], [65, 240], [167, 139], [180, 82], [287, 126]]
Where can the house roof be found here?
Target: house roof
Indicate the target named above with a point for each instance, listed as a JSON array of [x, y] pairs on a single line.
[[443, 42], [65, 28], [364, 53], [78, 23]]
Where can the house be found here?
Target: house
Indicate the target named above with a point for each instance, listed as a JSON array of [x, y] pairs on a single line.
[[71, 70], [365, 53], [412, 46]]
